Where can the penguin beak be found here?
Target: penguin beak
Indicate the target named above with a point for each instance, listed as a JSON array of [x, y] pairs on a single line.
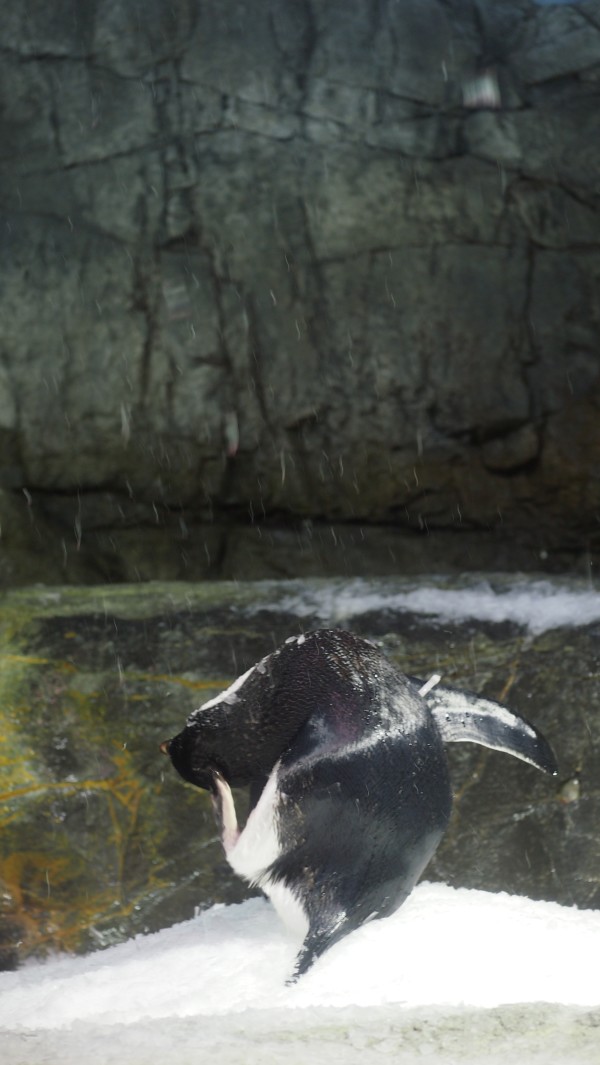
[[165, 747]]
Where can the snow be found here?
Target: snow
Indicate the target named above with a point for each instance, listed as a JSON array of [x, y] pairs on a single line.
[[218, 981], [537, 605]]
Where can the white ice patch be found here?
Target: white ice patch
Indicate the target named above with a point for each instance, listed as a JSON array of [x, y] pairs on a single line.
[[434, 679], [538, 605]]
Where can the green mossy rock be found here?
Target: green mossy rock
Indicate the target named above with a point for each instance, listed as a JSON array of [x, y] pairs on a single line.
[[101, 840]]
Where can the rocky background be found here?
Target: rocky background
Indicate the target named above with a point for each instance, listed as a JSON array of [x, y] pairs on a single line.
[[298, 286]]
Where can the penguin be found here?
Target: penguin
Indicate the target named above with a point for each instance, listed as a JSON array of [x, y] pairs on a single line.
[[349, 783]]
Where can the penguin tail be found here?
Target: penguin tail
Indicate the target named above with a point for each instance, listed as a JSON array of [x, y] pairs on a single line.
[[317, 941], [463, 717], [311, 949]]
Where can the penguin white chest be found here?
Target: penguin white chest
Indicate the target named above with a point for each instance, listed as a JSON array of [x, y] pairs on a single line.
[[257, 847]]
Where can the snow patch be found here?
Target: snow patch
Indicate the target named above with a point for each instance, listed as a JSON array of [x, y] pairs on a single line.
[[445, 946], [537, 605]]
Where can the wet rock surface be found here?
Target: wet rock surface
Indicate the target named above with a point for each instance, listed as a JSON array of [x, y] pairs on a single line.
[[262, 260], [39, 546], [100, 839]]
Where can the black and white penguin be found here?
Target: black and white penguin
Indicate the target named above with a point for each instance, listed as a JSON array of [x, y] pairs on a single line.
[[350, 789]]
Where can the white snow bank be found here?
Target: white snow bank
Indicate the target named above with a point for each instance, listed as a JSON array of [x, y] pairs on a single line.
[[537, 605], [445, 946], [409, 987]]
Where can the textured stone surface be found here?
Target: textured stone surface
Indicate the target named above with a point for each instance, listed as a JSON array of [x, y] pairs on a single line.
[[271, 259], [100, 839]]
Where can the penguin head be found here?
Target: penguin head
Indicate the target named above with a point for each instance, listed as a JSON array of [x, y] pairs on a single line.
[[242, 732], [191, 760]]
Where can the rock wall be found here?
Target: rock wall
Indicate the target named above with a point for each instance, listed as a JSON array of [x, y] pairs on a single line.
[[305, 258]]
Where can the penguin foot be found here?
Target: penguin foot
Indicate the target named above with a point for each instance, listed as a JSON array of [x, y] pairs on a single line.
[[224, 808]]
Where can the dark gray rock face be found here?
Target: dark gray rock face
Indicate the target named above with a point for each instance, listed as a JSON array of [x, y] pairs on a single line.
[[309, 258]]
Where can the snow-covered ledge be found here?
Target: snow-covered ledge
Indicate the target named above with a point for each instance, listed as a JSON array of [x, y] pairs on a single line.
[[454, 975]]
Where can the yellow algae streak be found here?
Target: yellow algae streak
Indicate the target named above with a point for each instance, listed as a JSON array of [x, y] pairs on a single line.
[[56, 897], [45, 916], [92, 836]]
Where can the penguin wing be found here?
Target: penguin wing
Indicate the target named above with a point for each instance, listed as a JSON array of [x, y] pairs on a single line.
[[463, 717]]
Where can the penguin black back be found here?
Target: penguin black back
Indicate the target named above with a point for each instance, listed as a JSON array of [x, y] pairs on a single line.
[[359, 822]]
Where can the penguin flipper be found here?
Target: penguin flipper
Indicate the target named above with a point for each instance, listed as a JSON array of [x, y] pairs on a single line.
[[463, 717]]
